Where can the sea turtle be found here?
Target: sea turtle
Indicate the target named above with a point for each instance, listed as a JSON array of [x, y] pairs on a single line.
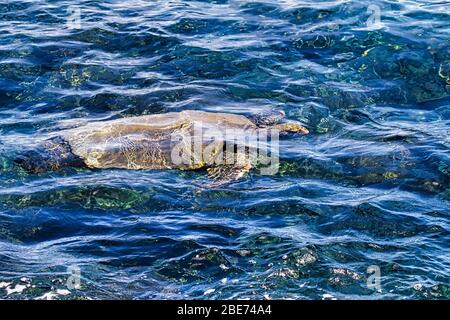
[[184, 140]]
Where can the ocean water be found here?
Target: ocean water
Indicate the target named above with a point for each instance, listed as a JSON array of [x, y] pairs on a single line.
[[359, 209]]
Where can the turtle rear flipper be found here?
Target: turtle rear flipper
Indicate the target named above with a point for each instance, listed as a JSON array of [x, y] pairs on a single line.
[[52, 155], [33, 162]]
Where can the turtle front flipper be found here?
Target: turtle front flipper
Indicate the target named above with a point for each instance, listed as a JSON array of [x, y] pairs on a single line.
[[52, 155], [225, 174]]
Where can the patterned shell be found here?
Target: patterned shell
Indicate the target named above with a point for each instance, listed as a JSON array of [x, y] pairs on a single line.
[[146, 142]]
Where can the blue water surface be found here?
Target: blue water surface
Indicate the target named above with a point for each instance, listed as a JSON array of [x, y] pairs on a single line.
[[368, 189]]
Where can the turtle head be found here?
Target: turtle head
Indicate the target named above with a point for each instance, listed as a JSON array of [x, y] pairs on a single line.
[[291, 127], [267, 118]]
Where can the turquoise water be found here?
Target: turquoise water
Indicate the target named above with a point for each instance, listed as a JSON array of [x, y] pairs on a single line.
[[369, 186]]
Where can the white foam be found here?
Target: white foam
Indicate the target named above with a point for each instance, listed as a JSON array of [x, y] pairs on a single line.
[[223, 267], [209, 291], [47, 296], [328, 296], [63, 292], [19, 288]]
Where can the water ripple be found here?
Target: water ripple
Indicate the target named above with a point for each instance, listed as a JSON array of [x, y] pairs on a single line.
[[369, 186]]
